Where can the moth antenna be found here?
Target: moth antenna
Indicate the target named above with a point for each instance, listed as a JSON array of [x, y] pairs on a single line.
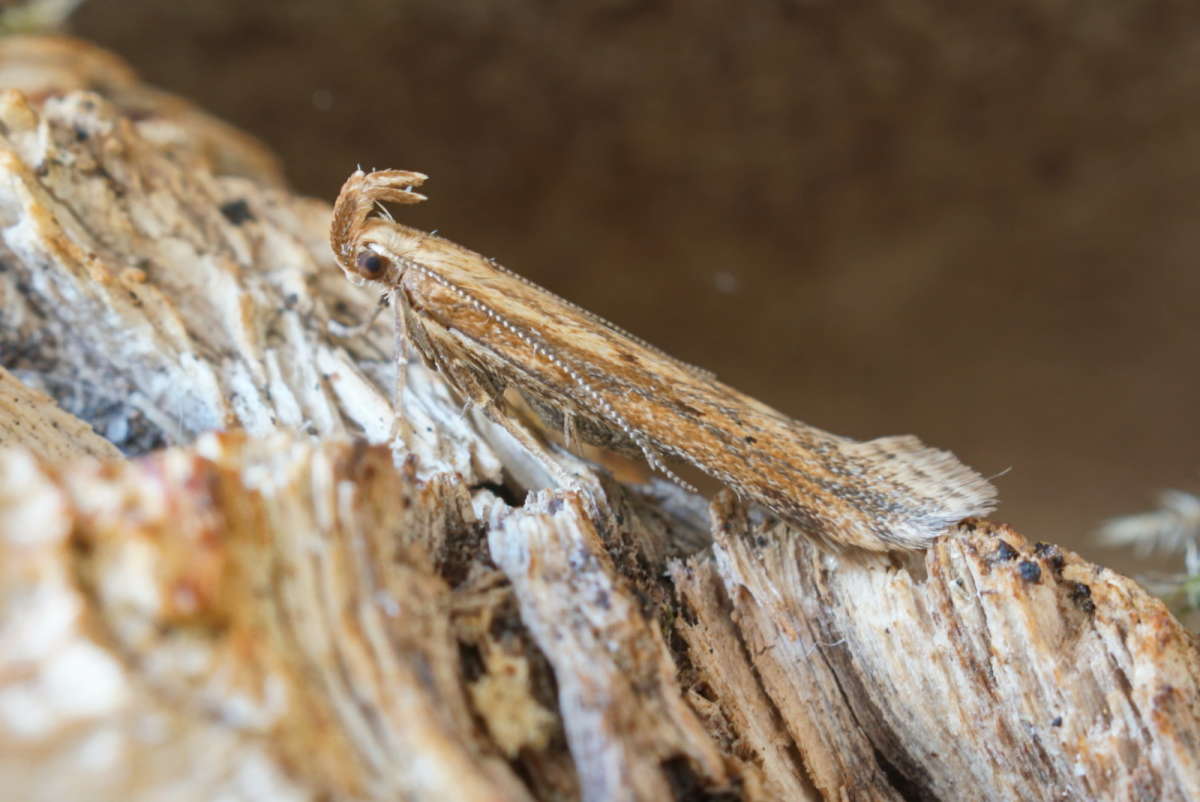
[[541, 348], [695, 370]]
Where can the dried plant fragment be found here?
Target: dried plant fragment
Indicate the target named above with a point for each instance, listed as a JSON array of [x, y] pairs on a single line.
[[1172, 527]]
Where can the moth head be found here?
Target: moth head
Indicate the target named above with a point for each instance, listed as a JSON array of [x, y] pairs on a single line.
[[352, 225], [369, 257]]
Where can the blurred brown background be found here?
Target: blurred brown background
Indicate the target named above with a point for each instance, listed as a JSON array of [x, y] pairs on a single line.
[[978, 225]]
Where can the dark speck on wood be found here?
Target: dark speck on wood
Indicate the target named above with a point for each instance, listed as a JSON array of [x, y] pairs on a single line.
[[237, 211], [1030, 571]]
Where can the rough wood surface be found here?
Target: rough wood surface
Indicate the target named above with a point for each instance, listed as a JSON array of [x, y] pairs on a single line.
[[32, 420], [300, 611]]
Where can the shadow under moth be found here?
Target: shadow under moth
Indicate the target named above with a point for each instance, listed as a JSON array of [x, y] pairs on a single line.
[[487, 330]]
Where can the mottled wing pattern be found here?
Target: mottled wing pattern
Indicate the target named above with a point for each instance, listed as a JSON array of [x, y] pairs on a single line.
[[885, 493]]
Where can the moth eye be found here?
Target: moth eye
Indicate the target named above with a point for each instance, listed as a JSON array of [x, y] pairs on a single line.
[[370, 264]]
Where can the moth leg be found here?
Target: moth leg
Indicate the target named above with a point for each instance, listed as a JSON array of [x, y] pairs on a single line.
[[587, 485], [531, 442], [570, 430], [401, 428], [344, 332]]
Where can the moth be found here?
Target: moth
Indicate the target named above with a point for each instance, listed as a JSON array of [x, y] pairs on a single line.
[[488, 330]]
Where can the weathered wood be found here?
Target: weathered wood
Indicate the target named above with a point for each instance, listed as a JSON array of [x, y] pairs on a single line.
[[627, 722], [31, 420], [991, 669], [292, 613], [250, 609]]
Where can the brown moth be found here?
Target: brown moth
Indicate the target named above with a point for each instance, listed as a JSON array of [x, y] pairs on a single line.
[[486, 329]]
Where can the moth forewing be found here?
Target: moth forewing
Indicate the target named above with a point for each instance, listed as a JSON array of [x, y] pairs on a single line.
[[880, 494]]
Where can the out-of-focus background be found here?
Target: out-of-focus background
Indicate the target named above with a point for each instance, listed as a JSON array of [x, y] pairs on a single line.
[[973, 223]]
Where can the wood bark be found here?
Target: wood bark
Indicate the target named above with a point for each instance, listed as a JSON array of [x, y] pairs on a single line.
[[294, 610]]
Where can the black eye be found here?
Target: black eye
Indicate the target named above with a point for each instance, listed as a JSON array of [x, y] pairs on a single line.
[[370, 264]]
